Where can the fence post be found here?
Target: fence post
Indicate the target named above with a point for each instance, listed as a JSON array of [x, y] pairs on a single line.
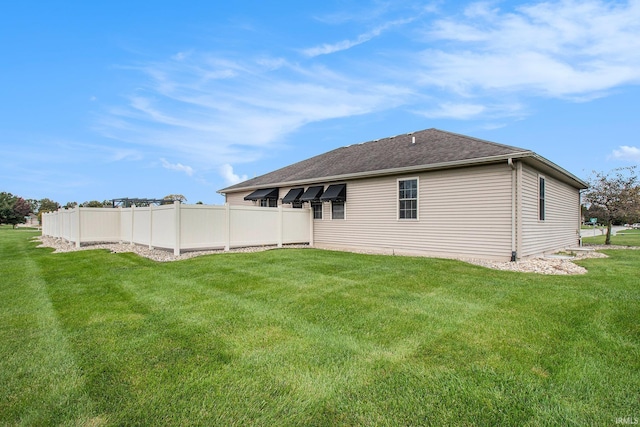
[[150, 225], [280, 227], [227, 227], [78, 227], [176, 248], [133, 216], [310, 226], [120, 239], [120, 224]]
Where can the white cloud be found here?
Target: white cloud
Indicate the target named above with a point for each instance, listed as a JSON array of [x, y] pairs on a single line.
[[327, 48], [125, 154], [468, 111], [627, 153], [485, 63], [177, 167], [450, 110], [226, 171], [180, 56], [566, 49], [213, 121]]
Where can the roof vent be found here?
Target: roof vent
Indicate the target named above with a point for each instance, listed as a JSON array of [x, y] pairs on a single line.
[[413, 139]]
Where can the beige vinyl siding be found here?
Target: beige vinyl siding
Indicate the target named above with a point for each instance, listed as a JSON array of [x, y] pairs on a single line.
[[560, 228], [464, 211], [237, 199]]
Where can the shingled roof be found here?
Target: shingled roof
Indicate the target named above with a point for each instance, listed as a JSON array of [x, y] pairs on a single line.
[[427, 148]]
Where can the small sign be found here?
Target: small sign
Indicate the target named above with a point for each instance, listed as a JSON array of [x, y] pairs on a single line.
[[593, 220]]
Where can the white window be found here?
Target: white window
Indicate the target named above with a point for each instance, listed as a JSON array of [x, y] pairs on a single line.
[[337, 210], [408, 198], [317, 210], [269, 203]]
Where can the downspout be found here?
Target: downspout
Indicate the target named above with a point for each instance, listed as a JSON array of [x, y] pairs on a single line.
[[580, 218], [514, 252]]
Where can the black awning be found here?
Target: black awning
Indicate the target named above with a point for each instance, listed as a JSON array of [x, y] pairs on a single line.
[[312, 194], [293, 195], [264, 193], [335, 193]]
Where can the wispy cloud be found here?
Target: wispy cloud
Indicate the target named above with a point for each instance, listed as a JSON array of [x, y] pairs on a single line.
[[626, 153], [177, 167], [211, 109], [367, 12], [470, 111], [226, 171], [189, 111], [327, 48], [567, 49], [450, 110]]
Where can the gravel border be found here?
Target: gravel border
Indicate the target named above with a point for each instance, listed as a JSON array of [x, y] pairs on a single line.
[[160, 255], [539, 265]]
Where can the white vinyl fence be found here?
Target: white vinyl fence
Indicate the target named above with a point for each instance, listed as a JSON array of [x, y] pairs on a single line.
[[182, 227]]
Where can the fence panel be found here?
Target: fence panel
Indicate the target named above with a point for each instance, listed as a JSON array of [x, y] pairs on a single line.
[[253, 226], [163, 227], [202, 227], [126, 224], [48, 224], [70, 225], [296, 223], [141, 218], [182, 227], [99, 225]]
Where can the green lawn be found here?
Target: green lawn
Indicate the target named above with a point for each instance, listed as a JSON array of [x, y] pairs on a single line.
[[312, 338], [623, 238]]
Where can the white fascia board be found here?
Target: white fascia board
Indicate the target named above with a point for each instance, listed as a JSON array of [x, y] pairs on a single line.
[[393, 171]]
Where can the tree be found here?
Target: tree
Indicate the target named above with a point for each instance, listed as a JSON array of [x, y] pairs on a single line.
[[593, 211], [93, 204], [35, 204], [70, 205], [47, 205], [6, 207], [13, 209], [170, 198], [616, 193]]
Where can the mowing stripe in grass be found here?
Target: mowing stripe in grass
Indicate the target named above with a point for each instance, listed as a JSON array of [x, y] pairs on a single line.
[[307, 337], [40, 381]]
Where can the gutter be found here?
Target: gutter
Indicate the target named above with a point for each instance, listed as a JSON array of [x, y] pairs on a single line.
[[550, 164], [386, 172]]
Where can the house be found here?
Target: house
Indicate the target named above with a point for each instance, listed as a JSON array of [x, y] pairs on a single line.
[[430, 192]]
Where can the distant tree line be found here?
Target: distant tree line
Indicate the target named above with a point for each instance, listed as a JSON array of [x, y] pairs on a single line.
[[14, 210]]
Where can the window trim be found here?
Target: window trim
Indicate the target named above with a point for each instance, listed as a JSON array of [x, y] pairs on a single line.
[[542, 198], [344, 210], [267, 203], [417, 199], [313, 205]]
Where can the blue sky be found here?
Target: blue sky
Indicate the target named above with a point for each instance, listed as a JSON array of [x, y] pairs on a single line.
[[112, 99]]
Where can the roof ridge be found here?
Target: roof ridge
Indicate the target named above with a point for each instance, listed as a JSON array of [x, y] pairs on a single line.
[[486, 141], [419, 148]]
